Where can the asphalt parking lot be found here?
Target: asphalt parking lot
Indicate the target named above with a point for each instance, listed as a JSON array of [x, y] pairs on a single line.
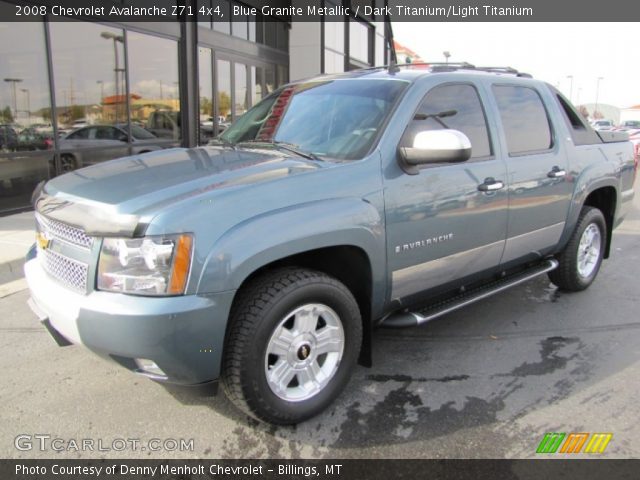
[[484, 382]]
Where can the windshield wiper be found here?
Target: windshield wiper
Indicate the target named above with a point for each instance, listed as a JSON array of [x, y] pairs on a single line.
[[290, 147]]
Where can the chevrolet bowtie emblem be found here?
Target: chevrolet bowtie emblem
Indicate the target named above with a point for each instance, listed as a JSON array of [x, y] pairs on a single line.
[[42, 240]]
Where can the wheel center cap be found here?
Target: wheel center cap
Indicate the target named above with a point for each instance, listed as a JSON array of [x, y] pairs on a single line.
[[304, 351]]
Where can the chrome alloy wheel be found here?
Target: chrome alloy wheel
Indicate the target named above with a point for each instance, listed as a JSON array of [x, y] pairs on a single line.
[[304, 352], [589, 250]]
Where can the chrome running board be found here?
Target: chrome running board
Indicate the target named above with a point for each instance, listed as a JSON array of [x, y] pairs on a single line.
[[412, 319]]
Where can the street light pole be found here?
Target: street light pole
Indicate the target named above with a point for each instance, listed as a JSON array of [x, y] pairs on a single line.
[[117, 69], [26, 91], [597, 92], [570, 88], [446, 54], [14, 81]]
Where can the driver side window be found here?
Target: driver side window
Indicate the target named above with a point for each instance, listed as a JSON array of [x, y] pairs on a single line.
[[457, 107]]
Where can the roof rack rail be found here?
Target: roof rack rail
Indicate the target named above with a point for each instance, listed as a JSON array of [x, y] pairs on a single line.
[[451, 67], [508, 70]]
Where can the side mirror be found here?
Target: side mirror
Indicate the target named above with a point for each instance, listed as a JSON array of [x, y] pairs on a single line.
[[123, 138], [435, 146]]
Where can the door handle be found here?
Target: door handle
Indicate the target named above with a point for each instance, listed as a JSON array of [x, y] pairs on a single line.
[[490, 185], [557, 172]]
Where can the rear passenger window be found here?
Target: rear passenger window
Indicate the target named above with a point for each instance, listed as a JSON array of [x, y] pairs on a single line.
[[524, 119], [461, 109]]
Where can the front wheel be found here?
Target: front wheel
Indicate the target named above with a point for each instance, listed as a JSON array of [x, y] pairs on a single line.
[[294, 340], [581, 259]]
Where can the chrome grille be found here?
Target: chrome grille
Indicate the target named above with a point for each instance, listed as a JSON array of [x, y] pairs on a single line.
[[64, 232], [71, 273]]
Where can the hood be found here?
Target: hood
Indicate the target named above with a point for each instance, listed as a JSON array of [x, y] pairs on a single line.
[[111, 197]]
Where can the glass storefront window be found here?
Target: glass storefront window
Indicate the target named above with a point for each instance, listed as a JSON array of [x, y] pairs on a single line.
[[270, 78], [223, 25], [334, 36], [223, 97], [257, 74], [241, 101], [205, 80], [333, 62], [155, 90], [26, 132], [239, 24], [283, 74], [359, 41], [270, 34], [89, 73]]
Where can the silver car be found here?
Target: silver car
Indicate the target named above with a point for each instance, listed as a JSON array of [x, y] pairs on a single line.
[[98, 143]]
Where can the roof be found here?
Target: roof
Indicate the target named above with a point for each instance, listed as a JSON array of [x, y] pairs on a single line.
[[115, 99], [413, 71]]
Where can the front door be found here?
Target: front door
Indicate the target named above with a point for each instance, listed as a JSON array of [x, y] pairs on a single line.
[[448, 221]]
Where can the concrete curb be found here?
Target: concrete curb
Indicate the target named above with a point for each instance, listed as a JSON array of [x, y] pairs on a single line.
[[11, 270]]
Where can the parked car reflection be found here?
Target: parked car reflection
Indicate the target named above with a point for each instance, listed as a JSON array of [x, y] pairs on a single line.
[[104, 142], [33, 139], [8, 138]]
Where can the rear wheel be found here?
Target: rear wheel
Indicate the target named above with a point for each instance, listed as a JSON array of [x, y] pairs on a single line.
[[581, 259], [68, 163], [294, 340]]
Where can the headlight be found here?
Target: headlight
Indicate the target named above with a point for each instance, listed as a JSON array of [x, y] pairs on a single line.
[[155, 265]]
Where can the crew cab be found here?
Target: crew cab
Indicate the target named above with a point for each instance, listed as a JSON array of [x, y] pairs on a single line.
[[384, 197]]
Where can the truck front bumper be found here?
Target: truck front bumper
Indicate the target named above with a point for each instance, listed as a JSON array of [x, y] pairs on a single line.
[[182, 335]]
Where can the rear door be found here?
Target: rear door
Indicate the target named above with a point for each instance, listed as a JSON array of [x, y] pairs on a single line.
[[449, 220], [537, 164]]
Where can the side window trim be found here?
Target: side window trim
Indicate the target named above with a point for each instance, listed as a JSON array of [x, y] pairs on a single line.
[[552, 130], [483, 108]]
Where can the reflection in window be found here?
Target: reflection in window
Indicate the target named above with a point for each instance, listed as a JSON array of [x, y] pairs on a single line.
[[359, 41], [223, 82], [25, 113], [206, 95], [468, 117], [257, 74], [524, 119], [333, 62], [89, 72], [283, 75], [270, 78], [241, 98], [334, 36], [221, 22], [239, 24], [155, 93]]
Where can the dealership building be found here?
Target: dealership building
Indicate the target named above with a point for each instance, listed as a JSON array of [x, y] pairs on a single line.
[[78, 92]]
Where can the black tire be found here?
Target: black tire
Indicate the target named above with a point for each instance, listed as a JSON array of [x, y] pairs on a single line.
[[259, 310], [568, 275], [68, 163]]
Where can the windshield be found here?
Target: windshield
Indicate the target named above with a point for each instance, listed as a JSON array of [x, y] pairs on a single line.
[[141, 133], [333, 118]]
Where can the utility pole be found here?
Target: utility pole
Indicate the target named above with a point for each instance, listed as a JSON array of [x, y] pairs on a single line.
[[570, 88], [597, 92], [14, 81], [26, 91]]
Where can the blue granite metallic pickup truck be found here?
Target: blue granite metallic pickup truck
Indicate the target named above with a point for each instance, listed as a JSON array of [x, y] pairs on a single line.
[[376, 198]]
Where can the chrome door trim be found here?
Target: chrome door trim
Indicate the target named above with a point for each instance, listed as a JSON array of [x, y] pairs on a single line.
[[424, 276], [532, 242]]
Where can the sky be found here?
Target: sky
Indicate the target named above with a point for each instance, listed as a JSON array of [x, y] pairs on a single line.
[[548, 51]]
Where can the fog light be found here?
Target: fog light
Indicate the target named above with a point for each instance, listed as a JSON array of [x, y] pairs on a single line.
[[149, 367]]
